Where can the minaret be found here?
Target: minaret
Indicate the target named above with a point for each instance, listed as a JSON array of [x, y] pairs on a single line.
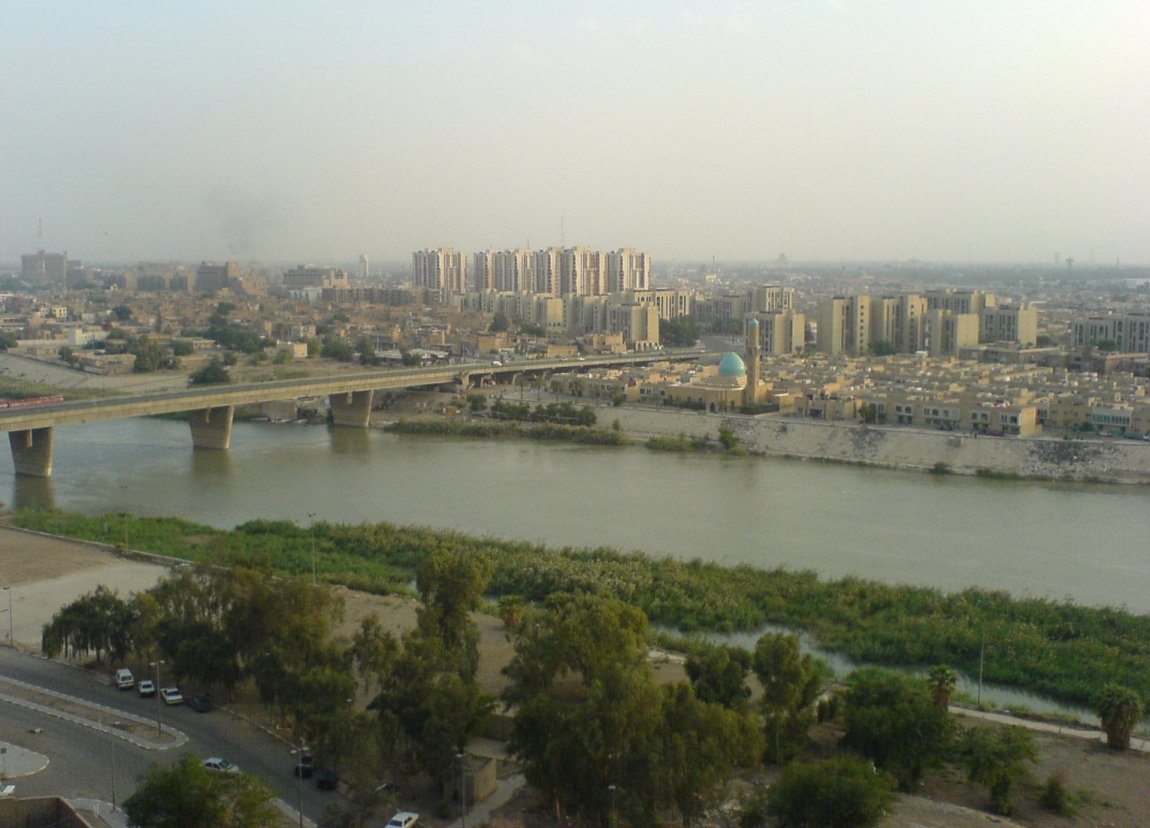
[[751, 390]]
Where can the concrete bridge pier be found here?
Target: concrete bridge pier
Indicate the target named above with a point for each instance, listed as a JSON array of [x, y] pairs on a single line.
[[32, 451], [212, 427], [352, 409]]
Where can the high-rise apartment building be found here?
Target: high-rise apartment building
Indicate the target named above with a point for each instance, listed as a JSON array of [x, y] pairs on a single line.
[[627, 269], [772, 298], [483, 271], [948, 331], [844, 325], [960, 301], [1009, 323], [899, 321], [779, 333], [441, 270]]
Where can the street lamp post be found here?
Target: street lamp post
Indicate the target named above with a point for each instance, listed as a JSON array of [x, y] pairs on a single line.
[[299, 752], [8, 589], [311, 531], [611, 790], [114, 738], [462, 757], [156, 665]]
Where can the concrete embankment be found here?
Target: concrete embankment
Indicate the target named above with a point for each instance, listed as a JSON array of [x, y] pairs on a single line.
[[1100, 459]]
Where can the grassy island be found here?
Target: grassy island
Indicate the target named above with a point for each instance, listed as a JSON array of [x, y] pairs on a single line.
[[1056, 648]]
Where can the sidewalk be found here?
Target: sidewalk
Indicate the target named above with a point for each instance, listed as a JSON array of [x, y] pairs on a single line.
[[480, 813], [16, 762], [1005, 718]]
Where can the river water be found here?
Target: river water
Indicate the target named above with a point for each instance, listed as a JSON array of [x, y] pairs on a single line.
[[1087, 544]]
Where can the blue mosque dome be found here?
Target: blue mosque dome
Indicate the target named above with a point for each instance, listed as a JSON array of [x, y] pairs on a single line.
[[731, 365]]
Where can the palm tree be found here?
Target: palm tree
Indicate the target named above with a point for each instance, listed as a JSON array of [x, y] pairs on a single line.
[[1120, 709], [941, 680]]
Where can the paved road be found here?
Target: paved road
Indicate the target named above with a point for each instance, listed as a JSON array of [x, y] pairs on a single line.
[[80, 757]]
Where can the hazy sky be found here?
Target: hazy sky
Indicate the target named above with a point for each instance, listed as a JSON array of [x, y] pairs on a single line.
[[304, 131]]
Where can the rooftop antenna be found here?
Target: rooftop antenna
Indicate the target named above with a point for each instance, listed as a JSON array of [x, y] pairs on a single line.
[[562, 231]]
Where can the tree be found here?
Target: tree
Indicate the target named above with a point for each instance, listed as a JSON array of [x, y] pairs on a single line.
[[719, 675], [122, 313], [700, 744], [594, 731], [477, 403], [941, 680], [996, 758], [182, 347], [99, 622], [678, 332], [451, 585], [214, 373], [1119, 709], [68, 354], [727, 437], [338, 350], [891, 720], [367, 355], [499, 323], [881, 348], [844, 792], [791, 682], [188, 795]]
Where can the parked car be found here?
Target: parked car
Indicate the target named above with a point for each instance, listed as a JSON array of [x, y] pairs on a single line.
[[7, 791], [304, 766], [171, 695], [218, 765], [124, 679], [201, 704], [404, 819], [326, 779], [146, 689]]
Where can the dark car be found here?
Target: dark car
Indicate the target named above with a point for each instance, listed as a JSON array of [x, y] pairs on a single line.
[[201, 704], [326, 779], [304, 766]]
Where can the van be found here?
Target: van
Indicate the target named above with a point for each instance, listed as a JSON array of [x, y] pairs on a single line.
[[124, 679]]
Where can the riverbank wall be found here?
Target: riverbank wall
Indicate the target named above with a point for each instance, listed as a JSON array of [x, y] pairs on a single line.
[[1091, 460]]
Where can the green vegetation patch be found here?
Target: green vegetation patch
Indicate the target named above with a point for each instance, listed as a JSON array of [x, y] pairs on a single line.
[[501, 428], [1059, 649]]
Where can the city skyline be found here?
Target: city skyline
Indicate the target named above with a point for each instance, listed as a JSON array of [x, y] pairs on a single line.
[[884, 131]]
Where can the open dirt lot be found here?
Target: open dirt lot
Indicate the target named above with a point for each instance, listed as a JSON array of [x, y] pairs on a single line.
[[46, 573]]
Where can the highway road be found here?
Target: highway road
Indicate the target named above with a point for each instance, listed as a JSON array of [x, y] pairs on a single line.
[[81, 758]]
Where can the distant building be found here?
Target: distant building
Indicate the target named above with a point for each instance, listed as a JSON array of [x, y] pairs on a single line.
[[310, 276], [212, 277], [45, 267], [1128, 332]]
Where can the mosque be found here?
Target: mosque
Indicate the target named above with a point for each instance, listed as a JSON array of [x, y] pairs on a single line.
[[735, 385]]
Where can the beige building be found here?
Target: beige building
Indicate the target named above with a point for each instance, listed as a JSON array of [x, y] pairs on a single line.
[[779, 333], [1129, 332], [948, 331], [1008, 323]]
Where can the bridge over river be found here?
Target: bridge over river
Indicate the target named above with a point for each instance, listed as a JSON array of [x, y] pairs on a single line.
[[32, 430]]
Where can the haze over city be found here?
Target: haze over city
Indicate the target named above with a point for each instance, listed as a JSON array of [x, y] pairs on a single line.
[[878, 130]]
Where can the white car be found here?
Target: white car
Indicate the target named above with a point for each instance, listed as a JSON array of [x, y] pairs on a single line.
[[171, 695], [215, 763], [146, 688], [7, 791], [404, 819]]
